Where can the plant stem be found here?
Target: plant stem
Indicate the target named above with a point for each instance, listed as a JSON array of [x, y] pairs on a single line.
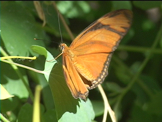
[[139, 49], [3, 118], [134, 79]]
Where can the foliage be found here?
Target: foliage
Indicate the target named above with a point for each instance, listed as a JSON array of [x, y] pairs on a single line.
[[134, 83]]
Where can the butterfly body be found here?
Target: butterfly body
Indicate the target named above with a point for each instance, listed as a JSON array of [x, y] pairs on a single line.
[[86, 60]]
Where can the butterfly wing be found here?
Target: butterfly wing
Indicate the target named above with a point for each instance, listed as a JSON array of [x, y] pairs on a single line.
[[73, 79]]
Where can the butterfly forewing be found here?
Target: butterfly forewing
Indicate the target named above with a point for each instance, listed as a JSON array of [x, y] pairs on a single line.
[[118, 22]]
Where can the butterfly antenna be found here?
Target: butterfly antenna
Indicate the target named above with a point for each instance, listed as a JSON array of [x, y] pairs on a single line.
[[59, 27]]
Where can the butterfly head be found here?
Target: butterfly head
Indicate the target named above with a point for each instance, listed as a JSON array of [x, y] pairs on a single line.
[[62, 46], [66, 50]]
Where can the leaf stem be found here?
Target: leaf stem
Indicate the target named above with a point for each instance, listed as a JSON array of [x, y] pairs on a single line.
[[21, 57], [23, 66]]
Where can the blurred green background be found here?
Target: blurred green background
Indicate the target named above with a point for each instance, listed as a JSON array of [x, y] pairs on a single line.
[[134, 83]]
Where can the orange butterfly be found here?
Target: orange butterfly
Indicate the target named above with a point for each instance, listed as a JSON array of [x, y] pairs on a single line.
[[86, 61]]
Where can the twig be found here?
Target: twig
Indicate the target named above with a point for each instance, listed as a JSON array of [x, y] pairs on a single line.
[[106, 106]]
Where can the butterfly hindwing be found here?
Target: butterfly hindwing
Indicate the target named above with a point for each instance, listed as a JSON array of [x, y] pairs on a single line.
[[73, 80]]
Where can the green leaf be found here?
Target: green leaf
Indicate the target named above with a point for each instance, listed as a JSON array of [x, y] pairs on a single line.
[[50, 116], [68, 108], [72, 8], [10, 104], [50, 61], [83, 113], [147, 4], [121, 5], [98, 107], [4, 93], [155, 106], [113, 87], [25, 113], [18, 29], [139, 115], [40, 50]]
